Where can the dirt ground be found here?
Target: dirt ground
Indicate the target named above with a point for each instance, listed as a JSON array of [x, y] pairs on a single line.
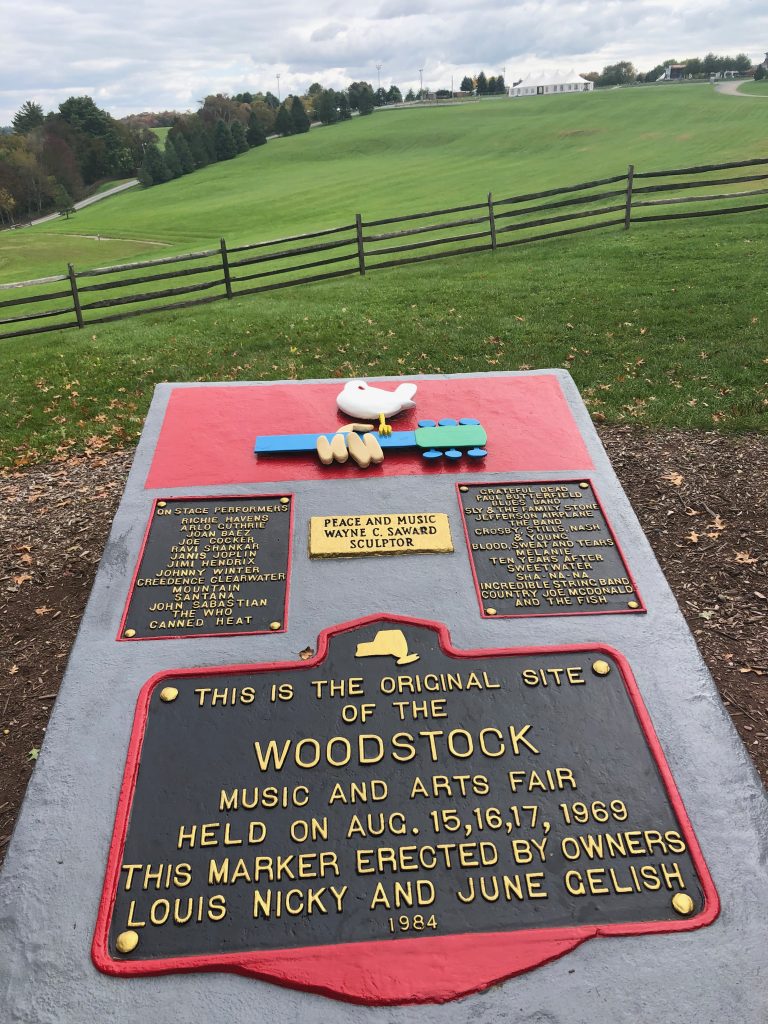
[[702, 499]]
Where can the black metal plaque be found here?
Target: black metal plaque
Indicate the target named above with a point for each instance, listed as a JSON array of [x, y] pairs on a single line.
[[211, 566], [392, 788], [544, 548]]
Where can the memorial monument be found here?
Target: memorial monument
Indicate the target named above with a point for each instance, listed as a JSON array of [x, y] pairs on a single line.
[[425, 726]]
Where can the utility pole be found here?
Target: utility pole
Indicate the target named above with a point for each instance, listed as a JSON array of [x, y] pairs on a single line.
[[378, 72], [421, 85], [278, 87]]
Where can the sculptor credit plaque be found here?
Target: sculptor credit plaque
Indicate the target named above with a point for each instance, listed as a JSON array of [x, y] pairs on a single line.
[[211, 566], [392, 788], [544, 548]]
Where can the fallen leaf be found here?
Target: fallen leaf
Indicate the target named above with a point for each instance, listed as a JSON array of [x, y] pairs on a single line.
[[718, 524], [34, 753], [306, 654], [745, 558], [19, 580], [42, 610], [674, 478], [13, 670], [693, 537], [706, 615]]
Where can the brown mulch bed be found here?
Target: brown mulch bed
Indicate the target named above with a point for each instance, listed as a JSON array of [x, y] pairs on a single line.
[[701, 498]]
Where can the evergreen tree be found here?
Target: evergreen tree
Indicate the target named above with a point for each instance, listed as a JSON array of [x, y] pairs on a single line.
[[238, 136], [482, 84], [410, 96], [501, 85], [172, 161], [183, 151], [255, 134], [284, 122], [326, 108], [299, 116], [759, 73], [466, 84], [63, 201], [223, 142], [342, 103], [272, 101], [153, 170], [30, 115], [394, 95]]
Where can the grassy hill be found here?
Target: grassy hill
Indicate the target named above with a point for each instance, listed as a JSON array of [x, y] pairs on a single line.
[[402, 161], [664, 324]]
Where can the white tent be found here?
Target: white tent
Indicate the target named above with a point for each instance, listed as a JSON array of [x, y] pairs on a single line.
[[546, 83]]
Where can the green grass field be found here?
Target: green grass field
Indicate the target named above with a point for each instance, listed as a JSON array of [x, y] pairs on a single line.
[[755, 88], [661, 325], [409, 161]]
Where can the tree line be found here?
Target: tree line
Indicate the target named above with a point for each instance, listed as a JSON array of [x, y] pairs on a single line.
[[625, 73]]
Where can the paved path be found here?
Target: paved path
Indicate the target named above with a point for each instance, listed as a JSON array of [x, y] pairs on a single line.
[[85, 202], [732, 89]]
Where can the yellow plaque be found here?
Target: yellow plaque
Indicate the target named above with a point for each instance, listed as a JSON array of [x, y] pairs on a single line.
[[389, 533]]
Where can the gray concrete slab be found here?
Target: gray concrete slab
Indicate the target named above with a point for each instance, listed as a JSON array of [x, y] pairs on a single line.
[[51, 883]]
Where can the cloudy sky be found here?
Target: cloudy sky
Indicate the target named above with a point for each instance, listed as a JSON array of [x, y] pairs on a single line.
[[168, 54]]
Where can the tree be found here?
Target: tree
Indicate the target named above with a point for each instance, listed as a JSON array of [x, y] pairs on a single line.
[[466, 84], [361, 96], [618, 74], [491, 87], [760, 73], [264, 114], [223, 142], [394, 95], [342, 102], [255, 133], [481, 88], [299, 116], [410, 96], [238, 137], [315, 89], [380, 97], [184, 153], [7, 206], [172, 161], [284, 122], [501, 85], [272, 101], [153, 170], [63, 201], [326, 107], [30, 115]]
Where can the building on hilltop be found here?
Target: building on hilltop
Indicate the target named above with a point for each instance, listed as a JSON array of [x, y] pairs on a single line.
[[546, 83], [672, 73]]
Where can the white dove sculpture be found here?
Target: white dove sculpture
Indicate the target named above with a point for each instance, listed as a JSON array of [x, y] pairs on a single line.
[[365, 402]]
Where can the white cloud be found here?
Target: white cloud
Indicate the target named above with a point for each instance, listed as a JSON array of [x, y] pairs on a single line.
[[149, 56]]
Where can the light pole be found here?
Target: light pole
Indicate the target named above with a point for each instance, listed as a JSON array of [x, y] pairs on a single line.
[[378, 72], [278, 87], [421, 85]]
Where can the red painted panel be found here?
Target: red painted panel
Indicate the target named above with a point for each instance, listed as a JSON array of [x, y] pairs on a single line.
[[208, 434]]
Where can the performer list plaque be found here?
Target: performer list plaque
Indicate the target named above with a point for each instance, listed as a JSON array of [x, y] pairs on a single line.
[[544, 548], [211, 566]]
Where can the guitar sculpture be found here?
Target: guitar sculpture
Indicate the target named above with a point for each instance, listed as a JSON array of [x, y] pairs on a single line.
[[446, 438]]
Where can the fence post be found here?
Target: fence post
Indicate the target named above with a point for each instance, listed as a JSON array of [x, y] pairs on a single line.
[[225, 265], [628, 207], [360, 250], [491, 220], [75, 295]]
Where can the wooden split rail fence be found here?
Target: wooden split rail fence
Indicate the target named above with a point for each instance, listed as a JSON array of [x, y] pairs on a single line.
[[88, 297]]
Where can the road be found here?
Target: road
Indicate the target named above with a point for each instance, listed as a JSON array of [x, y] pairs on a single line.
[[85, 202], [732, 89]]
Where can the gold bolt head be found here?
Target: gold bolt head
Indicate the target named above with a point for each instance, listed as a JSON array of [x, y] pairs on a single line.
[[126, 942], [600, 667], [490, 611], [162, 504], [683, 903], [463, 487], [633, 604], [129, 633], [275, 625], [284, 501], [583, 485], [168, 694]]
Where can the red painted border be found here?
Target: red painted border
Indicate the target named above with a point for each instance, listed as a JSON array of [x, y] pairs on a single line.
[[394, 971], [197, 636], [541, 615]]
